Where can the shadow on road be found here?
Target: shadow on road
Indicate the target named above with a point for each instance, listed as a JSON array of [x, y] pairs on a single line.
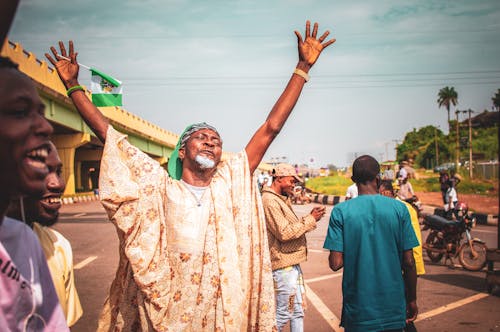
[[475, 283]]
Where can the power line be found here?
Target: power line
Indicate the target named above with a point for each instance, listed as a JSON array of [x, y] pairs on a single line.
[[492, 72]]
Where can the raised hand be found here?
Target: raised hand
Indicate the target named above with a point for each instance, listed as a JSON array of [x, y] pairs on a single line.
[[318, 212], [66, 66], [311, 48]]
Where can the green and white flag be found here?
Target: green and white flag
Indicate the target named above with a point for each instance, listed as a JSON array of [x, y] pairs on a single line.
[[106, 90]]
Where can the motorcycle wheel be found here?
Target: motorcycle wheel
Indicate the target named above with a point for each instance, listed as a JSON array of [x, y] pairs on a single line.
[[434, 241], [468, 261]]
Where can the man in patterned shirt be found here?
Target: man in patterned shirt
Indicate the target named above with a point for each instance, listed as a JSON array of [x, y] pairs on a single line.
[[193, 247], [288, 247]]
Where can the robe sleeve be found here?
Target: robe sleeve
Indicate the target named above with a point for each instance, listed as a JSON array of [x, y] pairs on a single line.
[[253, 251], [132, 190]]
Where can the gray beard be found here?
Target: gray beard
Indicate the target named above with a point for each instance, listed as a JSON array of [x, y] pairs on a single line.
[[204, 162]]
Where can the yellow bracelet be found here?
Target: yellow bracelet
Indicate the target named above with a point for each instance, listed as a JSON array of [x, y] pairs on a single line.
[[73, 89], [302, 74]]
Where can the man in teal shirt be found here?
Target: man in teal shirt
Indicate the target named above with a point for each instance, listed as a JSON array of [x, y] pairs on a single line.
[[372, 238]]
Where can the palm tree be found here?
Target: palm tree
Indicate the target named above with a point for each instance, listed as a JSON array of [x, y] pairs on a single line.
[[496, 100], [447, 96]]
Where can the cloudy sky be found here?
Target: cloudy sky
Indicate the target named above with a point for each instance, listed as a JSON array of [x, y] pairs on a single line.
[[226, 63]]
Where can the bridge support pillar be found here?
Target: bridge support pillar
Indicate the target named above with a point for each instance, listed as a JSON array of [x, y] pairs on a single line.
[[66, 147], [161, 160]]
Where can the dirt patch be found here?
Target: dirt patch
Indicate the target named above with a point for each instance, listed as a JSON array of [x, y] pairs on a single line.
[[477, 203]]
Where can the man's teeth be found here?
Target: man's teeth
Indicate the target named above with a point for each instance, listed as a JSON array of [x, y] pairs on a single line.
[[40, 153], [52, 200], [37, 164]]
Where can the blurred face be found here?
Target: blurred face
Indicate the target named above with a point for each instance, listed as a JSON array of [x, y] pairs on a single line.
[[385, 192], [46, 210], [203, 148], [24, 131], [287, 183]]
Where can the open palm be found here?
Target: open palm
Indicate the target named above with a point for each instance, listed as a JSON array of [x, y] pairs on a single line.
[[67, 67], [311, 48]]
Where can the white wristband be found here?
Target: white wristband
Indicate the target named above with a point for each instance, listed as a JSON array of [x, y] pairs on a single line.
[[302, 74]]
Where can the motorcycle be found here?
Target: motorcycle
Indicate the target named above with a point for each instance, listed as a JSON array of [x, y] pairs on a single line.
[[446, 237]]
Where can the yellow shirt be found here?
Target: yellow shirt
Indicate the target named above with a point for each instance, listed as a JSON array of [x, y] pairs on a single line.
[[186, 263], [60, 261], [417, 251]]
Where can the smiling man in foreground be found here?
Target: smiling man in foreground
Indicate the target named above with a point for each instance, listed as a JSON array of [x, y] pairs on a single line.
[[40, 214]]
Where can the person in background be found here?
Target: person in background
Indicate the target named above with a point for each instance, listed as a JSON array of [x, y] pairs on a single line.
[[352, 192], [387, 190], [193, 243], [287, 245], [40, 214], [403, 172], [405, 189], [28, 300], [388, 173], [451, 200], [455, 178], [444, 184], [372, 238]]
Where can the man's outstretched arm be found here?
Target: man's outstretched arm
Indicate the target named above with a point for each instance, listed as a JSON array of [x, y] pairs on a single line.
[[7, 12], [68, 72], [309, 51]]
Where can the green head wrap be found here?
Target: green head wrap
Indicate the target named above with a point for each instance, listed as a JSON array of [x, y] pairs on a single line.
[[174, 165]]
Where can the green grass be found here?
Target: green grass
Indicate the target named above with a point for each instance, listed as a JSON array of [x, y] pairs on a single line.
[[331, 185], [337, 185]]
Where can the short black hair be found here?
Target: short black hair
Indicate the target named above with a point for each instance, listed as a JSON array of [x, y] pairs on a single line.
[[365, 169], [386, 185], [8, 63]]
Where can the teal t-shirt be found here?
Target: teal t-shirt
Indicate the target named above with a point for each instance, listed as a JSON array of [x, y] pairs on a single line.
[[372, 231]]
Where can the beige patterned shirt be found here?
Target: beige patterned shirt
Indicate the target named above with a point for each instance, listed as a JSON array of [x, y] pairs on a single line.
[[185, 265], [286, 231]]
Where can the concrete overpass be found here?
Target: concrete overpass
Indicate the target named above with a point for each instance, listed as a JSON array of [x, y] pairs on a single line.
[[79, 148]]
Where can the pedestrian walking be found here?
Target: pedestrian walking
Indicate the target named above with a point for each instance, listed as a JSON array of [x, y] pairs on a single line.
[[372, 238]]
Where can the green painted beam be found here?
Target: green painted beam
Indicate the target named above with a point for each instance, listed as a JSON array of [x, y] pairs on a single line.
[[67, 116]]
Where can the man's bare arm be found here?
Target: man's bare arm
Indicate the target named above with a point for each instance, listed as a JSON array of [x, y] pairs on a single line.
[[7, 13], [336, 260], [68, 72], [309, 51], [410, 280]]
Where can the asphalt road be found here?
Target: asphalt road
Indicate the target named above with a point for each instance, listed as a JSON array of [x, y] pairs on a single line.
[[449, 299]]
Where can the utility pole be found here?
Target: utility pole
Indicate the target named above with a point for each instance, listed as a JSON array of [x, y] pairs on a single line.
[[386, 151], [396, 143], [457, 159], [470, 143], [437, 146]]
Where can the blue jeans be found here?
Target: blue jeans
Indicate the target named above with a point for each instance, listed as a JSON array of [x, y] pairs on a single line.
[[288, 289]]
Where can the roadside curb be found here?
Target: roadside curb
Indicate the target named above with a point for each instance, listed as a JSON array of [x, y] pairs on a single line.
[[481, 218]]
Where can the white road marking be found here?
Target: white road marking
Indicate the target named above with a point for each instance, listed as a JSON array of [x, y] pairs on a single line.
[[451, 306], [326, 313], [330, 276], [317, 250], [85, 262], [79, 215]]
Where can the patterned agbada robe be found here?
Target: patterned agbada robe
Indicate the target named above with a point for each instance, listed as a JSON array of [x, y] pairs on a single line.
[[185, 265]]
